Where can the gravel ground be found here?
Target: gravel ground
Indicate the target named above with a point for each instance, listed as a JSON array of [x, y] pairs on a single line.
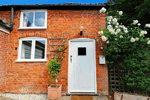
[[5, 98], [10, 96]]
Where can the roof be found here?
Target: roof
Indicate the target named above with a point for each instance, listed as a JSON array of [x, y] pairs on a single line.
[[58, 6], [4, 23]]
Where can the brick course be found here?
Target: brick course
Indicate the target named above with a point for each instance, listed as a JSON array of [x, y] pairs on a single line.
[[31, 77]]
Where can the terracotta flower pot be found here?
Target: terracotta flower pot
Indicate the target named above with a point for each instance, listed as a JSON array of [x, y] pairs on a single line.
[[54, 92]]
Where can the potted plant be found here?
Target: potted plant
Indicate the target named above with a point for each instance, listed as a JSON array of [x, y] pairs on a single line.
[[54, 90]]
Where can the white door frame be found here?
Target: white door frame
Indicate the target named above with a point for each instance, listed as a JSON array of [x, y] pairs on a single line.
[[83, 40]]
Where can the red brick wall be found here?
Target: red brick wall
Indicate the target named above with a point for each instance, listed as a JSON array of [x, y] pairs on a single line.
[[31, 77], [4, 40]]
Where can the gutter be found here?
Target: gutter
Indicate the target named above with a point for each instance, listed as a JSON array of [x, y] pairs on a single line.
[[12, 17]]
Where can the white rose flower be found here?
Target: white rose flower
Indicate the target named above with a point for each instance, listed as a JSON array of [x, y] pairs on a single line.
[[132, 40], [118, 30], [148, 42], [126, 31], [100, 32], [107, 42], [109, 17], [139, 24], [135, 22], [120, 12], [147, 25], [145, 32], [121, 36], [116, 26], [142, 32], [112, 31], [116, 33], [120, 26], [109, 27], [114, 21], [103, 10], [100, 11], [108, 22], [136, 38], [101, 47], [104, 38], [124, 28]]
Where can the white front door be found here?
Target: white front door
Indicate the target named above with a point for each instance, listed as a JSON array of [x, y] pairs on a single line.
[[82, 65]]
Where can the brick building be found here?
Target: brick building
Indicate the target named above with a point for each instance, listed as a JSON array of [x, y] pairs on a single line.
[[25, 32]]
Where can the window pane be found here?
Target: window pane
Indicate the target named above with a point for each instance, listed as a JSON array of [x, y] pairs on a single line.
[[39, 19], [26, 50], [28, 19], [81, 51], [39, 49]]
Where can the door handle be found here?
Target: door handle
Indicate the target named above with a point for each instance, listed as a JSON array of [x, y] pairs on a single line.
[[70, 58]]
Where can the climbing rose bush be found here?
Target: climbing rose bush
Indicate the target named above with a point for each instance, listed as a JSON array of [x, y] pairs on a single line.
[[128, 49]]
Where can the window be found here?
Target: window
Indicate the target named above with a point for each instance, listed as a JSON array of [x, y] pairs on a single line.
[[81, 51], [33, 19], [32, 49]]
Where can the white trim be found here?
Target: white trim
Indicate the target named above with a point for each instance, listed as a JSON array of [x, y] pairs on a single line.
[[4, 29], [32, 28], [33, 39], [29, 60], [37, 10], [68, 68], [83, 40], [34, 19], [81, 91], [32, 10], [21, 19], [33, 49]]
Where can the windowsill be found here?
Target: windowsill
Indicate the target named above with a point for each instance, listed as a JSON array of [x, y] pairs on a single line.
[[32, 28], [37, 60]]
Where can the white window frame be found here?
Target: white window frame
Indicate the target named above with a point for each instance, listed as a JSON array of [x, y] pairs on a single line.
[[21, 19], [33, 39]]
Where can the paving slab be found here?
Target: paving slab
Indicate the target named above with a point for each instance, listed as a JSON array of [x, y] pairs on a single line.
[[66, 98], [94, 98]]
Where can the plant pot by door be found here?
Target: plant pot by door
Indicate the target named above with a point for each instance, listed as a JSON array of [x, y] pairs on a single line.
[[54, 92]]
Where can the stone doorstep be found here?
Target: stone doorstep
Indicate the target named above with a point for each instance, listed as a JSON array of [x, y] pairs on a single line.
[[83, 94]]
